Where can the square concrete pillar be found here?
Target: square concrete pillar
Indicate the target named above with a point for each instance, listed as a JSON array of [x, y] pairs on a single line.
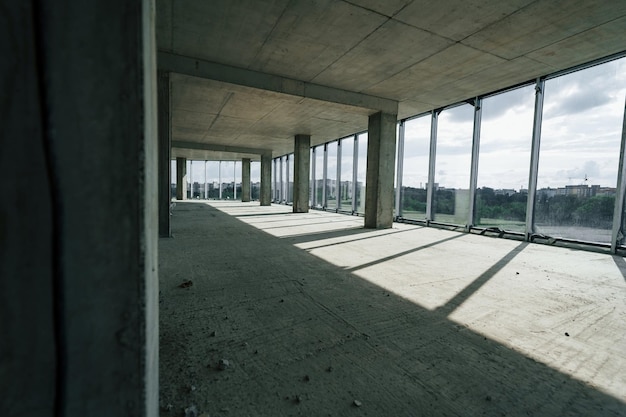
[[165, 150], [79, 231], [181, 178], [302, 169], [266, 179], [245, 180], [381, 153]]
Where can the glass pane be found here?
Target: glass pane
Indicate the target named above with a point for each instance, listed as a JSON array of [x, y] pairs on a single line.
[[347, 156], [173, 177], [255, 180], [505, 145], [331, 176], [319, 175], [211, 178], [579, 156], [237, 175], [283, 179], [453, 164], [227, 171], [415, 167], [290, 179], [361, 173]]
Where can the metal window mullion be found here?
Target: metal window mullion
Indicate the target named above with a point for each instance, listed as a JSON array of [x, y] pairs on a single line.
[[478, 103], [338, 181], [534, 159], [355, 171], [400, 169], [431, 164], [325, 177], [618, 213]]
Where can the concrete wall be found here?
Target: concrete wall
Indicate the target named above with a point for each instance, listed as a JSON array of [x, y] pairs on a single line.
[[78, 228]]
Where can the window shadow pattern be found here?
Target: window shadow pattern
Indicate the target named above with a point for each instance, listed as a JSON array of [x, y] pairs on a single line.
[[304, 337]]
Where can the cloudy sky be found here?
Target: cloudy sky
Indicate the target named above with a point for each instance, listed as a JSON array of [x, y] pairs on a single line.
[[581, 132]]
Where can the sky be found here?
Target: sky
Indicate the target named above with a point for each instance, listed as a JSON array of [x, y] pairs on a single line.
[[580, 141]]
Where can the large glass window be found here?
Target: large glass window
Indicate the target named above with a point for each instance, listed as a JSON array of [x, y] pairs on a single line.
[[361, 172], [504, 161], [415, 167], [331, 175], [228, 180], [453, 164], [290, 178], [255, 180], [319, 176], [579, 154], [283, 179], [347, 163]]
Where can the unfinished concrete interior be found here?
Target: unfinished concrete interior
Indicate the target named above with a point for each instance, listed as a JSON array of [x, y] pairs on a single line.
[[109, 305]]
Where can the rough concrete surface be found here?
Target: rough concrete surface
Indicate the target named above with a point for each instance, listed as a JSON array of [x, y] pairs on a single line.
[[264, 312]]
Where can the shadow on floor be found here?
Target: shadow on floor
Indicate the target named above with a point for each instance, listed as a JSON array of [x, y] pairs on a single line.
[[305, 337]]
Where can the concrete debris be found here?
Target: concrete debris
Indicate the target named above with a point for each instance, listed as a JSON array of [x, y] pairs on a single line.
[[299, 398], [566, 334], [192, 388], [307, 378], [191, 411], [186, 283], [213, 333], [357, 403], [329, 369], [224, 364], [488, 398]]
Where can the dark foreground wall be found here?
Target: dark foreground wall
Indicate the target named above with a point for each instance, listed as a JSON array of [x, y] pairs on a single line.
[[78, 267]]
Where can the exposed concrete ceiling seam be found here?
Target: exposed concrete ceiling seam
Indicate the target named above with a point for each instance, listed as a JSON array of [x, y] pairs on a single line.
[[269, 35]]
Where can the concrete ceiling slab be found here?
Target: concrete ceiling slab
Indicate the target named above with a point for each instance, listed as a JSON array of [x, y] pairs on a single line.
[[543, 23], [361, 53], [392, 48]]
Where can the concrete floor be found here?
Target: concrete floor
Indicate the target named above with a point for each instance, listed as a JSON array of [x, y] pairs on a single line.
[[314, 312]]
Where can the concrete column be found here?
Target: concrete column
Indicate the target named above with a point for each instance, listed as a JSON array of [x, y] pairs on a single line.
[[381, 150], [165, 148], [245, 180], [301, 172], [181, 178], [266, 179], [78, 252]]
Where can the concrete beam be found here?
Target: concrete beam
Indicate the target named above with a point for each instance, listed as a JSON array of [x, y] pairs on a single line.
[[381, 153], [214, 147], [255, 79], [302, 170]]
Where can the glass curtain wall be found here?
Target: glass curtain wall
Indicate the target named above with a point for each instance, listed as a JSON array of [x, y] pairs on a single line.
[[331, 175], [361, 172], [228, 180], [319, 176], [283, 179], [504, 159], [255, 180], [347, 163], [415, 167], [451, 200], [289, 179], [579, 153]]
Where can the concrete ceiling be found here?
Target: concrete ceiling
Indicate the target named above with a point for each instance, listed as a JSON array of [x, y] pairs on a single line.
[[248, 75]]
